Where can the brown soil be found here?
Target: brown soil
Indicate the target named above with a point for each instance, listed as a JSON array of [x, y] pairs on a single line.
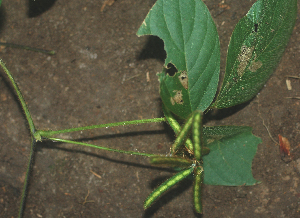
[[98, 75]]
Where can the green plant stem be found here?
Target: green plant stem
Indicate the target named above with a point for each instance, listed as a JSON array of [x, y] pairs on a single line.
[[50, 133], [101, 147], [197, 135], [171, 161], [197, 189], [25, 186], [176, 127], [12, 45], [21, 99], [167, 185], [33, 136], [182, 135]]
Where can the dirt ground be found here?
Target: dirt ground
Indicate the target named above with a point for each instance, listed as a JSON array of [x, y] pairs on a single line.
[[98, 75]]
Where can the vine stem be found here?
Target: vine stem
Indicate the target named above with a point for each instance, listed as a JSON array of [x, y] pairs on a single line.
[[26, 182], [101, 147], [50, 133], [20, 97], [33, 138]]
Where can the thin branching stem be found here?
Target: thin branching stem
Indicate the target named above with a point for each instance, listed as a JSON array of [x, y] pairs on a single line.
[[102, 148], [32, 131], [20, 97], [50, 133], [26, 182]]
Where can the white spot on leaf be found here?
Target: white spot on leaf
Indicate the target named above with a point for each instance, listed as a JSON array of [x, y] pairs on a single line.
[[244, 58], [255, 65], [183, 78], [177, 98]]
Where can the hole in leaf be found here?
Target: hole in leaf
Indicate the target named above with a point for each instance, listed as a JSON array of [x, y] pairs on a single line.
[[255, 27], [171, 69], [154, 48], [177, 98], [183, 78]]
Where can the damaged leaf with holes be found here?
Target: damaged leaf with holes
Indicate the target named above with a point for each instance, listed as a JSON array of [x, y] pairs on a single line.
[[256, 46], [232, 149], [192, 45]]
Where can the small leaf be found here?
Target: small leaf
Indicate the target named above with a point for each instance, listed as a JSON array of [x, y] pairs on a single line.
[[232, 150], [256, 46], [192, 45]]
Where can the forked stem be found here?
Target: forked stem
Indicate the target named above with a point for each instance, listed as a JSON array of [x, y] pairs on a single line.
[[37, 135], [32, 131]]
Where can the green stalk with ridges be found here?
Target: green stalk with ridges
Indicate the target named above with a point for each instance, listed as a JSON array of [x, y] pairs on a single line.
[[197, 135], [176, 127], [101, 147], [50, 133], [167, 185], [182, 136], [197, 188], [171, 161]]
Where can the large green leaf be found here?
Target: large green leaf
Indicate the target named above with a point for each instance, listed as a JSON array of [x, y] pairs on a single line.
[[255, 49], [192, 45], [232, 149]]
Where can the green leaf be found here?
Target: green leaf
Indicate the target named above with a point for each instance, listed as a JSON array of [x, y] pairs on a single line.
[[232, 149], [192, 45], [255, 49]]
